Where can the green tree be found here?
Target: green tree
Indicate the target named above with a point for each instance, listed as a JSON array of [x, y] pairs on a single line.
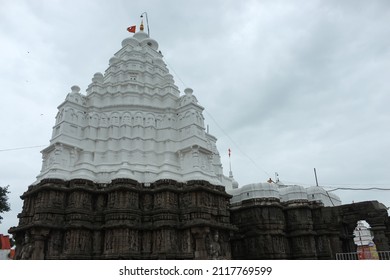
[[4, 205]]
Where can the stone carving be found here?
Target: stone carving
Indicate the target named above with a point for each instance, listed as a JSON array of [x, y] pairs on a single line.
[[138, 119], [54, 245], [150, 120], [123, 219], [214, 249], [108, 240], [126, 119], [112, 223], [114, 119], [188, 97], [306, 232], [27, 249], [103, 120], [94, 120]]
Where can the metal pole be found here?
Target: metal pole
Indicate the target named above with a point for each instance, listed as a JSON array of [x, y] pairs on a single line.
[[147, 21], [230, 165], [315, 174]]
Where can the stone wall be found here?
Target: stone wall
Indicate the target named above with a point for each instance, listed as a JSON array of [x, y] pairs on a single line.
[[79, 219], [125, 219], [262, 230], [268, 229]]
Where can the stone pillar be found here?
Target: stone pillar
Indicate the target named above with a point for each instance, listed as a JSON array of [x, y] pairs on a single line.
[[39, 245], [387, 231], [261, 230], [39, 237], [300, 231], [327, 226], [200, 234], [97, 244], [380, 239], [335, 244]]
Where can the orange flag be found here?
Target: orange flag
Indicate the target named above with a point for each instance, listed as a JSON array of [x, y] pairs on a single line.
[[131, 29]]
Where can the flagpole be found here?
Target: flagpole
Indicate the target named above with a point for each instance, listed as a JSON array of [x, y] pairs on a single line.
[[147, 22], [230, 162]]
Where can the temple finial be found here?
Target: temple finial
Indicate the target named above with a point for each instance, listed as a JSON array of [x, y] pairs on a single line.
[[141, 27], [147, 22]]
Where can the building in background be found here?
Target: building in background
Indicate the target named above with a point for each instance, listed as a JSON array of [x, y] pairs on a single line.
[[6, 250]]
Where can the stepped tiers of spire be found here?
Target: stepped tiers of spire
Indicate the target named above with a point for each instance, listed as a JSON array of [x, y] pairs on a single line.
[[132, 123]]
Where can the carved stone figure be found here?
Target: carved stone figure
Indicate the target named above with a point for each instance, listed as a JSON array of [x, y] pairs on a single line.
[[28, 248], [215, 247]]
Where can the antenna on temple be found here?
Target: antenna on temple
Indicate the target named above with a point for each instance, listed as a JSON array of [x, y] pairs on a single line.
[[147, 22]]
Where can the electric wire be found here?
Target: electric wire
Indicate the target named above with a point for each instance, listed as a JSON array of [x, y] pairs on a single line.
[[22, 148], [173, 70], [220, 127], [236, 145], [360, 189]]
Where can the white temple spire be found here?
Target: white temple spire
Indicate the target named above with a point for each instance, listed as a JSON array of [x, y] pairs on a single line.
[[132, 123]]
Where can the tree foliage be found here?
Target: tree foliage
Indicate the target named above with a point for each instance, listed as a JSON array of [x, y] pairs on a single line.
[[4, 205]]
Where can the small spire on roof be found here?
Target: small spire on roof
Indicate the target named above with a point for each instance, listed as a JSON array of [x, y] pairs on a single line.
[[141, 27]]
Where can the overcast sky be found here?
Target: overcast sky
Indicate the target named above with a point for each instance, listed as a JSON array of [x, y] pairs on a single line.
[[287, 85]]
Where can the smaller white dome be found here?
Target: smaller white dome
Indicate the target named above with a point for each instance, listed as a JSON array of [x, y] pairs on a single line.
[[316, 193], [188, 91], [98, 77], [151, 43], [130, 41], [75, 89], [257, 190], [140, 36], [113, 60], [294, 192]]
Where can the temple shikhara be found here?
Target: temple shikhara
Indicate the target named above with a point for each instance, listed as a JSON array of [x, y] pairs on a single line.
[[132, 173]]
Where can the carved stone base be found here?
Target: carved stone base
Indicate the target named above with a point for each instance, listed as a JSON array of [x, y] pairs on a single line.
[[124, 220], [268, 229]]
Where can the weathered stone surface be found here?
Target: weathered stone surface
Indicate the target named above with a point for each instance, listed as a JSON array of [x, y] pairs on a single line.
[[125, 219], [268, 229], [79, 219]]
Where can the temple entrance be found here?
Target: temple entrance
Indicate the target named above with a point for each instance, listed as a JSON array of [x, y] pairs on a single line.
[[365, 247]]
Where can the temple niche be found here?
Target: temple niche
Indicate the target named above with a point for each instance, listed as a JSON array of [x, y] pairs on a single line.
[[132, 173]]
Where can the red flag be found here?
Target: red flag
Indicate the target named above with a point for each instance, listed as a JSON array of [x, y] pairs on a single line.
[[229, 151], [131, 29]]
